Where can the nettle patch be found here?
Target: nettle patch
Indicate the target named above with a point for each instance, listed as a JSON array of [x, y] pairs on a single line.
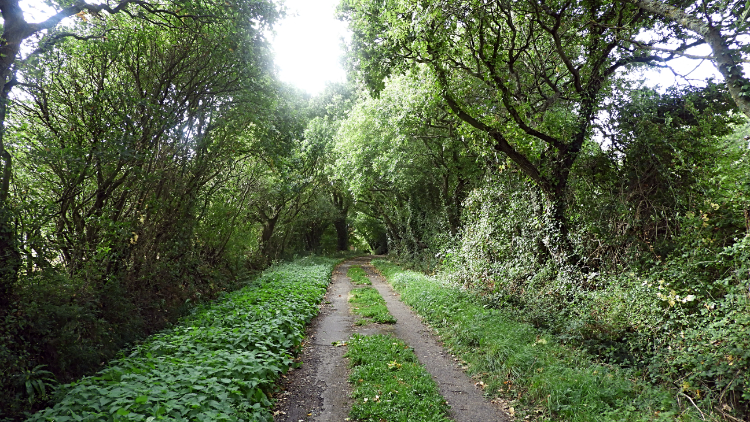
[[220, 364]]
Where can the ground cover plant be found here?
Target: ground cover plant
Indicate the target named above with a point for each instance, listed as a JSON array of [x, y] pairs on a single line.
[[390, 384], [611, 215], [540, 376], [150, 158], [358, 275], [219, 364], [367, 303]]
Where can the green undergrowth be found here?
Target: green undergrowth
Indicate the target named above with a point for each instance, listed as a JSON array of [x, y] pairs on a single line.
[[358, 275], [220, 364], [390, 384], [367, 303], [540, 378]]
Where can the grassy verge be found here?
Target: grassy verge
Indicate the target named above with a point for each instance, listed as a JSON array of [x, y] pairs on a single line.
[[368, 304], [358, 275], [542, 379], [390, 384], [220, 364]]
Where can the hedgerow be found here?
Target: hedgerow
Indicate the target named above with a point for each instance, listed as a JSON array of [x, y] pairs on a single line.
[[539, 376], [219, 364]]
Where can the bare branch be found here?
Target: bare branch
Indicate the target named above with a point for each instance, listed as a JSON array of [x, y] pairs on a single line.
[[81, 6], [47, 44], [726, 59]]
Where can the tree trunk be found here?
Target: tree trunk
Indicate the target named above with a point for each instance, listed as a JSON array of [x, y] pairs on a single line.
[[558, 240], [342, 233], [314, 235], [10, 258], [342, 202], [14, 32], [726, 60], [265, 238], [555, 190]]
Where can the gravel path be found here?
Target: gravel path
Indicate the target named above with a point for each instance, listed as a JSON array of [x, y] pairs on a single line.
[[318, 391]]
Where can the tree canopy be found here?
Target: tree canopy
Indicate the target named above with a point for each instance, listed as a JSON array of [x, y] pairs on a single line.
[[151, 158]]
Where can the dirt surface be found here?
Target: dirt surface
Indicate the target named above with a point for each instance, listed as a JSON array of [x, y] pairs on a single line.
[[318, 390]]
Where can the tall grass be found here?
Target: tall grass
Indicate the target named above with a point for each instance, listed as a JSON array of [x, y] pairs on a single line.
[[541, 378]]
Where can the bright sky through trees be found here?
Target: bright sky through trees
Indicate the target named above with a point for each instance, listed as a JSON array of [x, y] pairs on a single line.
[[308, 45], [686, 71]]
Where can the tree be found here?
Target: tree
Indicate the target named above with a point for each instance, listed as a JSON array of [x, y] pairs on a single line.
[[16, 29], [406, 163], [131, 182], [293, 168], [722, 24], [321, 131], [111, 133], [330, 109], [530, 76], [661, 150]]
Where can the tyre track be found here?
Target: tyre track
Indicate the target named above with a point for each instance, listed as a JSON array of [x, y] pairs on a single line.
[[318, 391]]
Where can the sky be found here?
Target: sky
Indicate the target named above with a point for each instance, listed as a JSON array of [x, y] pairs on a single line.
[[308, 45], [308, 49], [309, 52], [684, 70]]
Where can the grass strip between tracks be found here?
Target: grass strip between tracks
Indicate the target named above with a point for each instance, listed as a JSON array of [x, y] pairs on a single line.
[[358, 275], [390, 383], [367, 303], [219, 364], [539, 378]]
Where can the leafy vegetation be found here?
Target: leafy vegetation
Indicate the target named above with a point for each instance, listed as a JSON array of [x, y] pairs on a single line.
[[357, 275], [390, 384], [530, 367], [367, 303], [150, 160], [608, 214], [220, 363], [155, 163], [407, 166]]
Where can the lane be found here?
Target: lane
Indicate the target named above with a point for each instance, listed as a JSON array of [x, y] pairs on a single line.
[[466, 401], [318, 390]]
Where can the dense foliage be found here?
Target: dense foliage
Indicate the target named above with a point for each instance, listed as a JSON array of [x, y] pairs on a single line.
[[406, 165], [610, 214], [156, 160], [659, 221], [540, 378], [149, 159], [219, 364]]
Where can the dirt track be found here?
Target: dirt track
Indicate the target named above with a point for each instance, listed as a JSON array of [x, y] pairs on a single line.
[[318, 390]]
